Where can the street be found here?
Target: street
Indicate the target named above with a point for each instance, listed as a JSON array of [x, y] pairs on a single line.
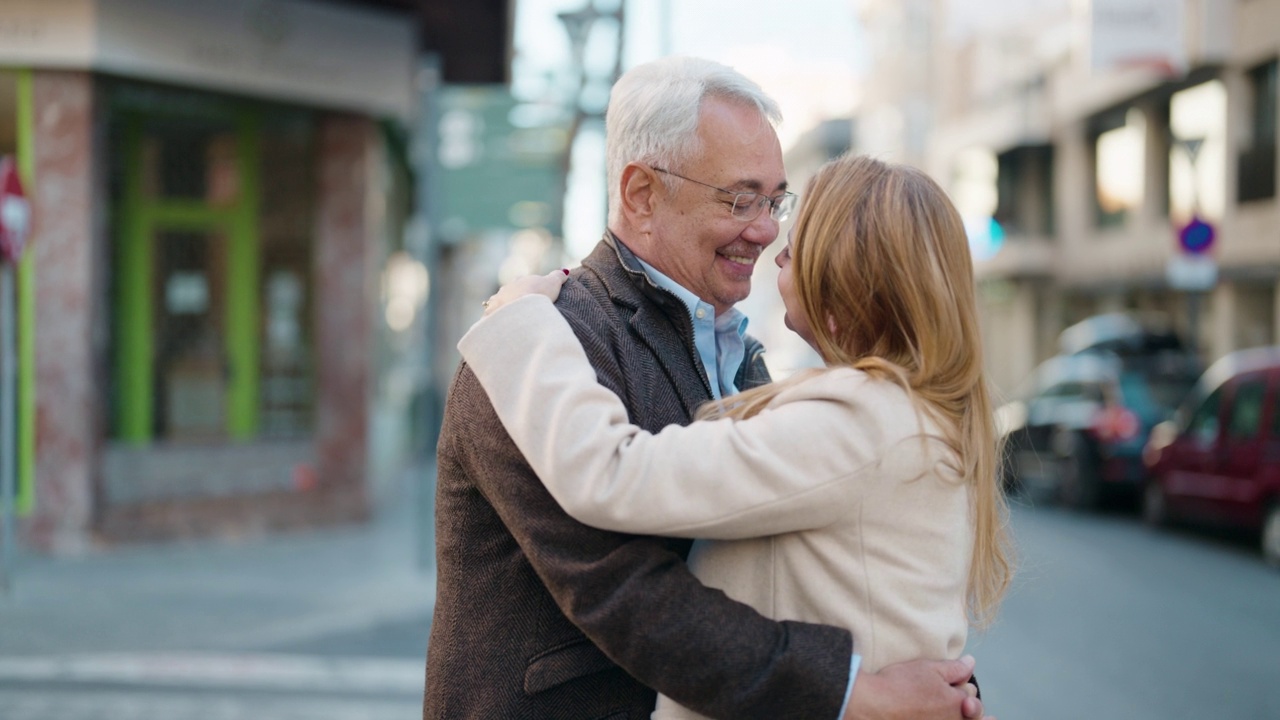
[[1109, 620], [328, 624]]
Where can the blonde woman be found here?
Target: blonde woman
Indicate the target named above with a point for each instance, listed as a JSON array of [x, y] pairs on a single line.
[[863, 494]]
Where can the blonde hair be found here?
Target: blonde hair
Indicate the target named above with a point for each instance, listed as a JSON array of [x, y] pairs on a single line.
[[881, 267]]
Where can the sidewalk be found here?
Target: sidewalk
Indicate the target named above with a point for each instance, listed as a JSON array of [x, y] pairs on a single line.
[[262, 625]]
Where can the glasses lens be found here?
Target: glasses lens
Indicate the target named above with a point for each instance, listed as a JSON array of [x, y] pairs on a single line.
[[783, 206], [746, 206]]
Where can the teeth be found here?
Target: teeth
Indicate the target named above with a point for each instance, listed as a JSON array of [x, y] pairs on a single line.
[[741, 259]]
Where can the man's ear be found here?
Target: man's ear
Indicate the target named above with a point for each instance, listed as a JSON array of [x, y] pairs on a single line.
[[639, 194]]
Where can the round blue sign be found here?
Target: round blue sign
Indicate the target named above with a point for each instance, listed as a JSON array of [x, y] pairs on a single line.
[[1196, 237]]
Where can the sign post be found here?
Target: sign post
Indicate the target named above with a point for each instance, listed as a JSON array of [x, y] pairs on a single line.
[[15, 223], [1193, 269]]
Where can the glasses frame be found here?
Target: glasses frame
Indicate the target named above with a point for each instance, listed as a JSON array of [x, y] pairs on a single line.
[[777, 211]]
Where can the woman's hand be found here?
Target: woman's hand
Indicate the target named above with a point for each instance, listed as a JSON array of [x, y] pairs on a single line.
[[548, 285]]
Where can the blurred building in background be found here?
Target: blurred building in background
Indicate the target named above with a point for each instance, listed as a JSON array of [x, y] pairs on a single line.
[[1107, 155], [222, 308]]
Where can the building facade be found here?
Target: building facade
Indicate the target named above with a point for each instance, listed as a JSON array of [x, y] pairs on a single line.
[[216, 189], [1078, 148]]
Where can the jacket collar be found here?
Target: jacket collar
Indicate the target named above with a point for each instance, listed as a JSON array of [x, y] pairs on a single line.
[[660, 319]]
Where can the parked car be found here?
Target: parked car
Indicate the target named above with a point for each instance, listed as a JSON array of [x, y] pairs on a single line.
[[1078, 427], [1219, 461], [1125, 334]]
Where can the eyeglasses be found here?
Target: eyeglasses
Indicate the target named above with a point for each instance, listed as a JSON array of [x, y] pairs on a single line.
[[747, 205]]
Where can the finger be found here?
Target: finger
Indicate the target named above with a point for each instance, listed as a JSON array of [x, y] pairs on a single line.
[[560, 275], [957, 671], [971, 689], [971, 707]]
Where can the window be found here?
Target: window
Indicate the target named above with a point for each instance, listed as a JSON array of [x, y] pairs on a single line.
[[212, 281], [1257, 166], [1075, 390], [1024, 188], [1198, 152], [1119, 172], [8, 112], [1203, 427], [1275, 411], [1246, 410], [1275, 414]]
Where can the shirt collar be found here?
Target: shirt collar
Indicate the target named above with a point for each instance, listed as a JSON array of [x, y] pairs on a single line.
[[732, 319]]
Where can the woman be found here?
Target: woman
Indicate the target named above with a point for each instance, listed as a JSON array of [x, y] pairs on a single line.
[[863, 494]]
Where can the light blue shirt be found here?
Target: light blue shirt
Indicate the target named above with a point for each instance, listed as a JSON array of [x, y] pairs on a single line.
[[721, 349], [718, 340]]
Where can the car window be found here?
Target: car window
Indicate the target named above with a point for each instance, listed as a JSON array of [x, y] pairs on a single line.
[[1074, 390], [1245, 419], [1154, 394], [1275, 413], [1204, 422]]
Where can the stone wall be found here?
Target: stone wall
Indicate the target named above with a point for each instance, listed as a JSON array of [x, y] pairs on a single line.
[[68, 409]]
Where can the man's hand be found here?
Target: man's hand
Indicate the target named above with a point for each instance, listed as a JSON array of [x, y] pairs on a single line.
[[916, 690]]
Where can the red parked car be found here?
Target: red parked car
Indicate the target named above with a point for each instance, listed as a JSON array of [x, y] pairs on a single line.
[[1218, 462]]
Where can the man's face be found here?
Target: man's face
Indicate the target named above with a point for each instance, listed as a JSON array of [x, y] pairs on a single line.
[[697, 242]]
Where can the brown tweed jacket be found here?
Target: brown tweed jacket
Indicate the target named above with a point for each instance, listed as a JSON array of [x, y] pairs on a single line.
[[539, 616]]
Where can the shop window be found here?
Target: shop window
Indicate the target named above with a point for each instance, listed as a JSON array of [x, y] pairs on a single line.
[[212, 204], [1256, 169], [1119, 177], [1024, 185], [287, 209]]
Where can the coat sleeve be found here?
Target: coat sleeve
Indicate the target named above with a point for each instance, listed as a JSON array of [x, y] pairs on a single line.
[[637, 601], [795, 466]]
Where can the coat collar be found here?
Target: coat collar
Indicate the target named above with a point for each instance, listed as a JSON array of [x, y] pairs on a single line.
[[660, 319]]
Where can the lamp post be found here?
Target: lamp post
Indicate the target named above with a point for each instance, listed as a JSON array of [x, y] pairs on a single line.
[[578, 25]]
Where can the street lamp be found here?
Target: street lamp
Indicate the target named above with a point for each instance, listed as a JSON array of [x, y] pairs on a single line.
[[578, 25]]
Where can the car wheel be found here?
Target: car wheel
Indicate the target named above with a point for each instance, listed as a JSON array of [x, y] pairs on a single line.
[[1081, 488], [1271, 535], [1155, 506]]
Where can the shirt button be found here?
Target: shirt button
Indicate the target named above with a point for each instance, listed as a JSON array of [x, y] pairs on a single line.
[[701, 313]]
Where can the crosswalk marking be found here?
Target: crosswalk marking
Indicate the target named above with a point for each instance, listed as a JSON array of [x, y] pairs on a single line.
[[259, 671], [168, 705]]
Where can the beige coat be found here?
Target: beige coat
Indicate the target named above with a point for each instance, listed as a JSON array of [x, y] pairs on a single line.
[[830, 506]]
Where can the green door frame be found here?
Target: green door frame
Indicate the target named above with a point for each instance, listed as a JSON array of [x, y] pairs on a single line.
[[25, 499], [140, 218]]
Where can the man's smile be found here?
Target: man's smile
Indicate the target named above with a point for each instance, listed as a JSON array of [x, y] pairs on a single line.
[[748, 260]]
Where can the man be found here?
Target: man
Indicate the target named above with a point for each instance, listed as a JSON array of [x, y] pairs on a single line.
[[538, 616]]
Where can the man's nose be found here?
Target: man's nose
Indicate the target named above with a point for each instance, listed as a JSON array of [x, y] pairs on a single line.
[[763, 230]]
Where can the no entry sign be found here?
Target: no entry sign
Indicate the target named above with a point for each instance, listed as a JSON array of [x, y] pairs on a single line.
[[15, 212], [1196, 237]]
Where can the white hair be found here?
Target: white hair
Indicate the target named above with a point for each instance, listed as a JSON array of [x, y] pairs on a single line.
[[654, 111]]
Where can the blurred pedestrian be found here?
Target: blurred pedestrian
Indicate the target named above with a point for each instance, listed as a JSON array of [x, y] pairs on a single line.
[[538, 615]]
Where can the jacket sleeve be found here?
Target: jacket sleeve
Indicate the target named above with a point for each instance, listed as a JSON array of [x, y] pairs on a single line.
[[796, 466], [637, 601]]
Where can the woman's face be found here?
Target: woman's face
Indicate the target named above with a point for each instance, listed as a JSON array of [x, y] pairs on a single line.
[[795, 318]]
